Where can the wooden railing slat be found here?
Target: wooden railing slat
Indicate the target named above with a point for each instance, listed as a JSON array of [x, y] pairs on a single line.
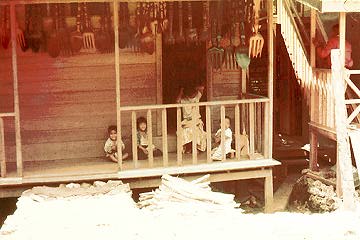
[[222, 122], [194, 139], [208, 134], [164, 138], [237, 131], [252, 130], [150, 139], [134, 138], [179, 138]]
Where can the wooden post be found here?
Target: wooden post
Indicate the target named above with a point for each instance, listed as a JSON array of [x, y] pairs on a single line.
[[150, 135], [222, 143], [312, 36], [164, 138], [237, 131], [117, 79], [208, 134], [269, 192], [345, 182], [19, 161], [179, 136], [313, 150], [2, 149], [134, 138], [269, 108]]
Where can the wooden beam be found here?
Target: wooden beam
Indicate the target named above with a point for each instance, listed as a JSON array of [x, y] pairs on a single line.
[[117, 79], [345, 182], [312, 36], [19, 161], [269, 106]]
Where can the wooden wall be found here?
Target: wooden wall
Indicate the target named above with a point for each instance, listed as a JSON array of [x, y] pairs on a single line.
[[67, 103]]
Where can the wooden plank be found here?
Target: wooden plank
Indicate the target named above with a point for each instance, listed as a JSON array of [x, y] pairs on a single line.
[[117, 80], [150, 136], [208, 134], [164, 138], [179, 139], [237, 131], [252, 128], [206, 167], [267, 138], [312, 36], [19, 161], [134, 138], [2, 149], [222, 143]]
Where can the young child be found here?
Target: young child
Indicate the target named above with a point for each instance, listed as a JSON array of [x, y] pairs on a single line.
[[110, 147], [143, 141], [191, 116], [217, 152]]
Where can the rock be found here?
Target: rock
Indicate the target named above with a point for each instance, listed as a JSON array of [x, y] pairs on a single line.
[[73, 185], [99, 183]]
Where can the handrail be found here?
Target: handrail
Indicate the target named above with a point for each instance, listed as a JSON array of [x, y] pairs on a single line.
[[293, 23], [321, 27], [302, 26], [212, 103]]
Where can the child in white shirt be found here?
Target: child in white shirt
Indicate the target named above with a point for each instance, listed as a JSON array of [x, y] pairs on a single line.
[[216, 153], [110, 146]]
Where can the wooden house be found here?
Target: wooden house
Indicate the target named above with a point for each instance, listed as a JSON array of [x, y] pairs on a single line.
[[55, 106]]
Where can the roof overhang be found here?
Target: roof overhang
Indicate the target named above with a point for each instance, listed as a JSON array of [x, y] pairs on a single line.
[[333, 5]]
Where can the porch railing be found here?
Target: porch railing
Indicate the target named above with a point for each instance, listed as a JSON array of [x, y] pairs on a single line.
[[248, 115]]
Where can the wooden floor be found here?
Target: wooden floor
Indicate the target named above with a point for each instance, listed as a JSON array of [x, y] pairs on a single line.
[[101, 167]]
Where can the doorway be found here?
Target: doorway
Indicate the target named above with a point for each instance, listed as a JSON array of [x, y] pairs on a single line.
[[183, 65]]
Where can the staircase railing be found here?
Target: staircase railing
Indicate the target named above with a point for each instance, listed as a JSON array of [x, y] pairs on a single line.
[[315, 83]]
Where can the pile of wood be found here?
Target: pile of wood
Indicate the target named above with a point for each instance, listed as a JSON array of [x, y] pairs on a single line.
[[196, 194]]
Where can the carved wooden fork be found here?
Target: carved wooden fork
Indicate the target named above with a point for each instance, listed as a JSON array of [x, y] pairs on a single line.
[[256, 41]]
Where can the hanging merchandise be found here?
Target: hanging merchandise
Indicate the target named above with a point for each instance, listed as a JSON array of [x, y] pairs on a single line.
[[124, 34], [180, 36], [215, 52], [133, 28], [35, 28], [109, 28], [53, 42], [147, 39], [204, 36], [47, 24], [191, 33], [64, 34], [241, 52], [76, 38], [256, 42], [88, 34], [169, 36]]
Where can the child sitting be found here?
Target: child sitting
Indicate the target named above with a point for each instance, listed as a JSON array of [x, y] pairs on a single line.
[[110, 147], [143, 141], [216, 153]]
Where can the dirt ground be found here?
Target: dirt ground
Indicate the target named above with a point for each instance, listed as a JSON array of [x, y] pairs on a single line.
[[116, 216]]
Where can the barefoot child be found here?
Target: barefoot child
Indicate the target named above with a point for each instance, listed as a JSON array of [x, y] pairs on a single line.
[[216, 153], [143, 141], [110, 147]]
